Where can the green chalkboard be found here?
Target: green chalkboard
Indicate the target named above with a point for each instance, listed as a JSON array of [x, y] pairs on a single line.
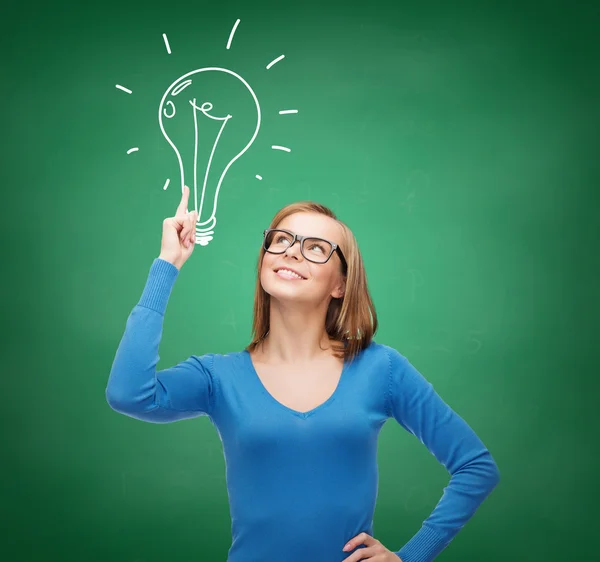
[[458, 140]]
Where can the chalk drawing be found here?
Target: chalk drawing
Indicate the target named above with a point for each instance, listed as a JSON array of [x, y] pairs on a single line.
[[232, 33], [167, 110], [275, 61], [185, 92], [167, 43]]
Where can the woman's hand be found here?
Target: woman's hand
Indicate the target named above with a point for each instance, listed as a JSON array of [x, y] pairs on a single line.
[[375, 551], [179, 233]]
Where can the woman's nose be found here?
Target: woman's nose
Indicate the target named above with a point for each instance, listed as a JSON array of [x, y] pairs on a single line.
[[294, 249]]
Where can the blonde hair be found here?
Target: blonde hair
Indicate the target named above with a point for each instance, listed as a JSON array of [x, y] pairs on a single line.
[[351, 321]]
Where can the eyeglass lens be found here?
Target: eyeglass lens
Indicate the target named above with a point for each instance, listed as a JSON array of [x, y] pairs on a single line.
[[314, 249]]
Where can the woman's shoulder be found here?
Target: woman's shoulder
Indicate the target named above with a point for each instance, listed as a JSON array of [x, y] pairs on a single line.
[[223, 358], [376, 349], [380, 358]]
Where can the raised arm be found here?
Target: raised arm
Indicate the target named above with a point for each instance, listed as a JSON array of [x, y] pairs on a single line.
[[135, 388], [417, 407]]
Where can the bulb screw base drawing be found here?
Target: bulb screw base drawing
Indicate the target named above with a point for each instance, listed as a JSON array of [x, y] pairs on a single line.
[[204, 231], [203, 238]]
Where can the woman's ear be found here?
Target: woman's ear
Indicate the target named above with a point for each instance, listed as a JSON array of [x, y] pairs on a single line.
[[340, 290]]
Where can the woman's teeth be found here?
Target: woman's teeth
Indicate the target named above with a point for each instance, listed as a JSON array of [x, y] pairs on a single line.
[[287, 274]]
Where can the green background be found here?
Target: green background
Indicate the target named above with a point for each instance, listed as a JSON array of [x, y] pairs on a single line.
[[459, 141]]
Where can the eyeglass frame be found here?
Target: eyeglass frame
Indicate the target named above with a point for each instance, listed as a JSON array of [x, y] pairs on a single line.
[[296, 238]]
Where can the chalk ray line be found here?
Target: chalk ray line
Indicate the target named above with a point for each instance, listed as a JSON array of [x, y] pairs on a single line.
[[167, 43], [275, 61], [232, 33]]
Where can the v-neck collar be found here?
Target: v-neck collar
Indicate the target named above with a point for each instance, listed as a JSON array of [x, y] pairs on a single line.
[[279, 404]]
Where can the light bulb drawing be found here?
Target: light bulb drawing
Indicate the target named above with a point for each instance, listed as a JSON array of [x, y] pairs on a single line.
[[210, 117], [175, 100]]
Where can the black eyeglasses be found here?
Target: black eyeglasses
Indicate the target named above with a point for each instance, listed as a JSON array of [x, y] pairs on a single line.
[[317, 250]]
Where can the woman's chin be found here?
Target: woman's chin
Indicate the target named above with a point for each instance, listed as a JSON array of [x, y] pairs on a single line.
[[286, 291]]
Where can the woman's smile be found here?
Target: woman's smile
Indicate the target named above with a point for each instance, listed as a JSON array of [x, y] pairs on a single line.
[[289, 275]]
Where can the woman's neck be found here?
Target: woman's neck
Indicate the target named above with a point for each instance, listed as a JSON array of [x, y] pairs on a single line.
[[295, 336]]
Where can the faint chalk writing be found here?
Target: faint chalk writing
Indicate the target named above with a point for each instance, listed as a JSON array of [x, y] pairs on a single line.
[[229, 263], [230, 320], [443, 344], [456, 341], [417, 181], [474, 343], [408, 201]]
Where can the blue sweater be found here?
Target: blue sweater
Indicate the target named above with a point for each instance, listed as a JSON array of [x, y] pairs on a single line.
[[301, 484]]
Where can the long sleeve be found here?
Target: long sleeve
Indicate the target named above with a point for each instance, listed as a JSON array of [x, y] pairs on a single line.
[[135, 388], [417, 407]]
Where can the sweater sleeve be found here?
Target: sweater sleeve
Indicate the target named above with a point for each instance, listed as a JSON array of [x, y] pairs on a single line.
[[416, 406], [135, 388]]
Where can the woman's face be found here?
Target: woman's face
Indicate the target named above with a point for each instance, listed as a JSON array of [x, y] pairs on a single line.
[[319, 280]]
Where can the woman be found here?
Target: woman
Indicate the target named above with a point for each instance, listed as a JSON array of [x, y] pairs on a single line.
[[300, 409]]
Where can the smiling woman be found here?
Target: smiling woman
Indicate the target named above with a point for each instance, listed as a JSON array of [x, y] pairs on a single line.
[[337, 291], [299, 410]]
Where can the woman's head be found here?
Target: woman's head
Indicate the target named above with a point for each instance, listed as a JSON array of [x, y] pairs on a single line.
[[338, 285]]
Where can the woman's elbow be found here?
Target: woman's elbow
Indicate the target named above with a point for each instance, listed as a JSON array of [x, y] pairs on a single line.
[[119, 401], [113, 399], [492, 472]]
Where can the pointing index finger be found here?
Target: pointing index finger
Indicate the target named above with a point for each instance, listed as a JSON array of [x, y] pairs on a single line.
[[182, 208]]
